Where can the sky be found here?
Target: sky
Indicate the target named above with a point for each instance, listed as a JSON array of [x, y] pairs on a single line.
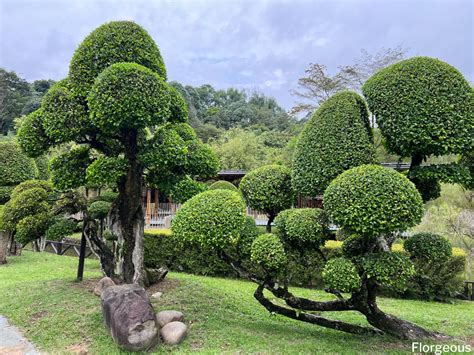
[[249, 44]]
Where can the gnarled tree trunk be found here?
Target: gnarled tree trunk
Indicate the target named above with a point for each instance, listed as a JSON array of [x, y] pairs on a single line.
[[126, 218]]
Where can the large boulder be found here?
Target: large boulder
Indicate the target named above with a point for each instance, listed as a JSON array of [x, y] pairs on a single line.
[[165, 317], [102, 285], [173, 333], [129, 317]]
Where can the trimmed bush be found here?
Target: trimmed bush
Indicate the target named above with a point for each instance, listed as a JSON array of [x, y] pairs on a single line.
[[128, 95], [185, 189], [356, 245], [42, 164], [5, 192], [223, 185], [423, 106], [99, 209], [371, 200], [268, 189], [341, 274], [222, 209], [428, 247], [268, 252], [304, 227], [60, 228], [31, 228], [31, 184], [68, 170], [15, 166], [391, 270], [280, 221], [336, 138], [118, 41], [31, 134]]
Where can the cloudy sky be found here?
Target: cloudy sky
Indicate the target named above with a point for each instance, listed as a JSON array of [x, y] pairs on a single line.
[[252, 44]]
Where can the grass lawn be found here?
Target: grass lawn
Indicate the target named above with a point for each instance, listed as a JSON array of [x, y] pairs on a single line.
[[39, 295]]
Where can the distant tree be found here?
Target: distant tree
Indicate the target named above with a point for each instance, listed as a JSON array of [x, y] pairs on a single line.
[[14, 93], [424, 107], [318, 85], [127, 124]]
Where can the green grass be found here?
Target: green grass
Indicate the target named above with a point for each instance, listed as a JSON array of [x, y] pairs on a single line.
[[39, 295]]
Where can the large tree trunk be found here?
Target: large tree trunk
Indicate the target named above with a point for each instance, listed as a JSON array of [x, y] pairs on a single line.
[[4, 238], [98, 246], [126, 218]]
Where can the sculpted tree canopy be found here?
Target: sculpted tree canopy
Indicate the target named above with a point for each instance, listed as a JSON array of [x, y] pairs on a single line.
[[128, 127], [383, 197], [424, 107], [336, 138]]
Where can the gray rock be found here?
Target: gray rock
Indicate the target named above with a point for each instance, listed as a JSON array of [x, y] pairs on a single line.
[[129, 317], [165, 317], [157, 295], [102, 285], [173, 333], [155, 275]]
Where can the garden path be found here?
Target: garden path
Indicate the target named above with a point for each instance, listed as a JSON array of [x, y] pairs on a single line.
[[12, 341]]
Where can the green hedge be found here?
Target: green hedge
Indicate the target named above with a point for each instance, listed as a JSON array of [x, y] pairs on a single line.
[[431, 280]]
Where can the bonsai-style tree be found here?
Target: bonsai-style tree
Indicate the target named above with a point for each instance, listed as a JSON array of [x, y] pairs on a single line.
[[129, 127], [369, 201], [336, 138], [424, 107], [15, 167], [268, 189]]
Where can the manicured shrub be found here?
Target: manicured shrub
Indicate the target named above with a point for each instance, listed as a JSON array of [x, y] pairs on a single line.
[[372, 200], [268, 252], [108, 196], [185, 189], [106, 171], [5, 192], [391, 270], [60, 228], [356, 245], [280, 221], [336, 138], [222, 209], [32, 184], [268, 189], [223, 185], [31, 227], [341, 274], [304, 227], [32, 136], [422, 105], [15, 166], [248, 234], [68, 170], [428, 247], [118, 41], [99, 209], [42, 164]]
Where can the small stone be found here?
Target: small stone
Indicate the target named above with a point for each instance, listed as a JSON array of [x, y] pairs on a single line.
[[102, 285], [154, 276], [165, 317], [157, 295], [173, 333]]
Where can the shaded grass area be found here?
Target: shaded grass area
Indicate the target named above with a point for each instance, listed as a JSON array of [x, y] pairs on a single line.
[[39, 295]]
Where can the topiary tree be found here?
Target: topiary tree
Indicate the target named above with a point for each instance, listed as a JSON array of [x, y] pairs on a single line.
[[370, 201], [129, 128], [336, 138], [424, 107], [15, 167], [428, 246], [268, 189], [186, 188], [224, 185], [60, 228]]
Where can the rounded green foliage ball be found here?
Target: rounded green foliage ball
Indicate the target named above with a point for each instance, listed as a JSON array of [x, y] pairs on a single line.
[[15, 166], [268, 189], [113, 42], [202, 160], [61, 228], [371, 200], [356, 245], [127, 96], [178, 107], [99, 209], [280, 221], [68, 170], [248, 234], [185, 189], [422, 105], [106, 171], [428, 246], [64, 115], [223, 185], [392, 270], [305, 227], [341, 274], [31, 184], [108, 196], [31, 228], [32, 136], [213, 219], [336, 138], [268, 252], [42, 164], [5, 192]]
